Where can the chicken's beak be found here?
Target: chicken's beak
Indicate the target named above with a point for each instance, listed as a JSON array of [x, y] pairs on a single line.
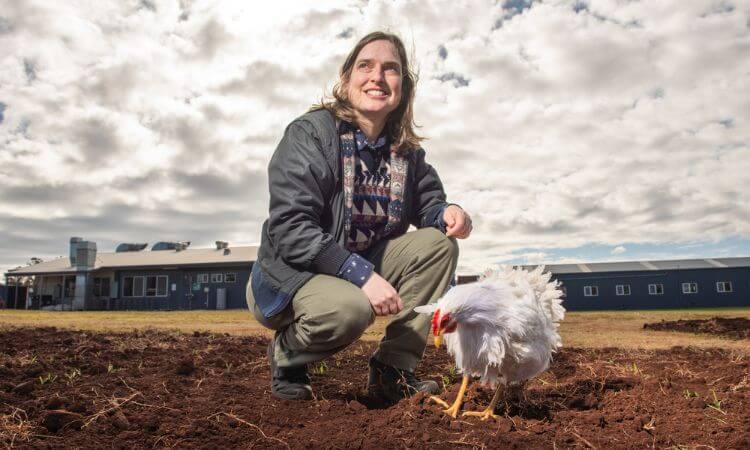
[[439, 339]]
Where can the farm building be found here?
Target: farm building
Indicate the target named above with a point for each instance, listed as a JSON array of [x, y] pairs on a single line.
[[685, 283], [169, 276], [172, 276]]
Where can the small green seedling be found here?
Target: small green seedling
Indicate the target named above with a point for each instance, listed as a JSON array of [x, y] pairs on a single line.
[[446, 382], [321, 368], [48, 378], [716, 403], [635, 369], [73, 374], [689, 394]]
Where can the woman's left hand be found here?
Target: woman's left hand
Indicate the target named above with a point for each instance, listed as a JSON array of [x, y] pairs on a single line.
[[457, 222]]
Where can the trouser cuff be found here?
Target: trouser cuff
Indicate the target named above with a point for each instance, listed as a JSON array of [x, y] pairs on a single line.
[[398, 360]]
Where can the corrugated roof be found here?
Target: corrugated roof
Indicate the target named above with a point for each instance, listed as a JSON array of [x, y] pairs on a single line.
[[734, 262], [161, 258], [632, 266]]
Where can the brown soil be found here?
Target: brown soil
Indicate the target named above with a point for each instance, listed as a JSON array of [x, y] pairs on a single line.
[[733, 328], [158, 389]]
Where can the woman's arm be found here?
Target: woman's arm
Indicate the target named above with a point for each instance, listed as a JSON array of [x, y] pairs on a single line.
[[301, 185]]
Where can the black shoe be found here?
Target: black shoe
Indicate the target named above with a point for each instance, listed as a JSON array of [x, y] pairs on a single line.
[[288, 383], [391, 384]]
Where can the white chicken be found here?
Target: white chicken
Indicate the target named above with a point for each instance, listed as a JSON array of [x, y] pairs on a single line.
[[501, 329]]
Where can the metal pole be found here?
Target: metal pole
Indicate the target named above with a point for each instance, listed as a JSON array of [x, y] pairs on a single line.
[[15, 293], [26, 306]]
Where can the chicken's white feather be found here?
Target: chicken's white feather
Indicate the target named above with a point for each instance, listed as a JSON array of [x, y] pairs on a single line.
[[507, 324]]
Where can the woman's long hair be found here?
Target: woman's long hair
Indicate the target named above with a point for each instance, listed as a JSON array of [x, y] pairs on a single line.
[[400, 122]]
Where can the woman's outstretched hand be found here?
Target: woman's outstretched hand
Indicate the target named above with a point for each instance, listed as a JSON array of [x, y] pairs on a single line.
[[457, 222], [382, 296]]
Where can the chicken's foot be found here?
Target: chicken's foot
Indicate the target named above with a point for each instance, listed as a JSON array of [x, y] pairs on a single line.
[[453, 409], [490, 411]]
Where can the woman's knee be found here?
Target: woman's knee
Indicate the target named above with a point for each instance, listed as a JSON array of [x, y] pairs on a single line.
[[434, 241], [342, 323]]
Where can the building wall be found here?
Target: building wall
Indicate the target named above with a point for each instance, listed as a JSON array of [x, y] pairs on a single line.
[[186, 289], [196, 294], [673, 297]]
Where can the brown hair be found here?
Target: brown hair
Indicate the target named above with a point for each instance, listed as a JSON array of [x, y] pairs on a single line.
[[400, 122]]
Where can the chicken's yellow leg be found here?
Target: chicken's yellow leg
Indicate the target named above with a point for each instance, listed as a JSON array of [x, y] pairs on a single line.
[[453, 409], [490, 411]]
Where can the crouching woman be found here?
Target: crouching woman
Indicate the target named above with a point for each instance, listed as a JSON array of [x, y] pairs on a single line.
[[346, 181]]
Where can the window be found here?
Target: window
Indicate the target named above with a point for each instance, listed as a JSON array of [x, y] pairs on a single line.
[[655, 289], [217, 277], [724, 286], [132, 287], [151, 286], [127, 287], [161, 286], [622, 289], [101, 287], [230, 278], [690, 288], [202, 278], [590, 291], [138, 286], [156, 286]]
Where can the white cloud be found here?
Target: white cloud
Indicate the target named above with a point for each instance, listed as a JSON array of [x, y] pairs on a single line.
[[619, 250], [556, 128]]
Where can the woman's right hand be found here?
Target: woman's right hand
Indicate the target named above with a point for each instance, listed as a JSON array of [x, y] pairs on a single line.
[[382, 296]]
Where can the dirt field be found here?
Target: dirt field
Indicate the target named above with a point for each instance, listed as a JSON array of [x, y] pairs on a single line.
[[730, 327], [154, 389]]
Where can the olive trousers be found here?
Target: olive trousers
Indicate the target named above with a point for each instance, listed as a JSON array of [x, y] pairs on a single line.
[[328, 313]]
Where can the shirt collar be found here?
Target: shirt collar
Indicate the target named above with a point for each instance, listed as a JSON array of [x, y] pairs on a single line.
[[362, 142]]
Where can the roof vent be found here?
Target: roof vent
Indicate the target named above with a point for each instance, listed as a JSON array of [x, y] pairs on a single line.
[[74, 249], [179, 246], [221, 245], [128, 247]]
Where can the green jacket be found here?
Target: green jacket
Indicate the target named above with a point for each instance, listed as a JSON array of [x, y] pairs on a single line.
[[304, 233]]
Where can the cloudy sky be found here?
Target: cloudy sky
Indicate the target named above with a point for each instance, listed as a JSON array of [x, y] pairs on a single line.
[[570, 130]]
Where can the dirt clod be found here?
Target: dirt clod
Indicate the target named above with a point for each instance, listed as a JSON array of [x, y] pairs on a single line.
[[55, 402], [58, 419], [25, 388], [185, 367], [730, 327]]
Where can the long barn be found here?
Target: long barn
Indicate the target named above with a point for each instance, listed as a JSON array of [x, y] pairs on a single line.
[[688, 283]]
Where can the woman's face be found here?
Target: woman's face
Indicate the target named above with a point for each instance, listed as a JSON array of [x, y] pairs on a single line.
[[375, 84]]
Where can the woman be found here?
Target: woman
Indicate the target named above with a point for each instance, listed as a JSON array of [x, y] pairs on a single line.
[[346, 181]]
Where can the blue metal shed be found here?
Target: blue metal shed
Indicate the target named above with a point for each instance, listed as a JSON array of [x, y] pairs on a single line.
[[706, 283]]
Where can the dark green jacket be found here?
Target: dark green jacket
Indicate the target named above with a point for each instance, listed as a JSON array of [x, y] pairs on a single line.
[[304, 234]]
